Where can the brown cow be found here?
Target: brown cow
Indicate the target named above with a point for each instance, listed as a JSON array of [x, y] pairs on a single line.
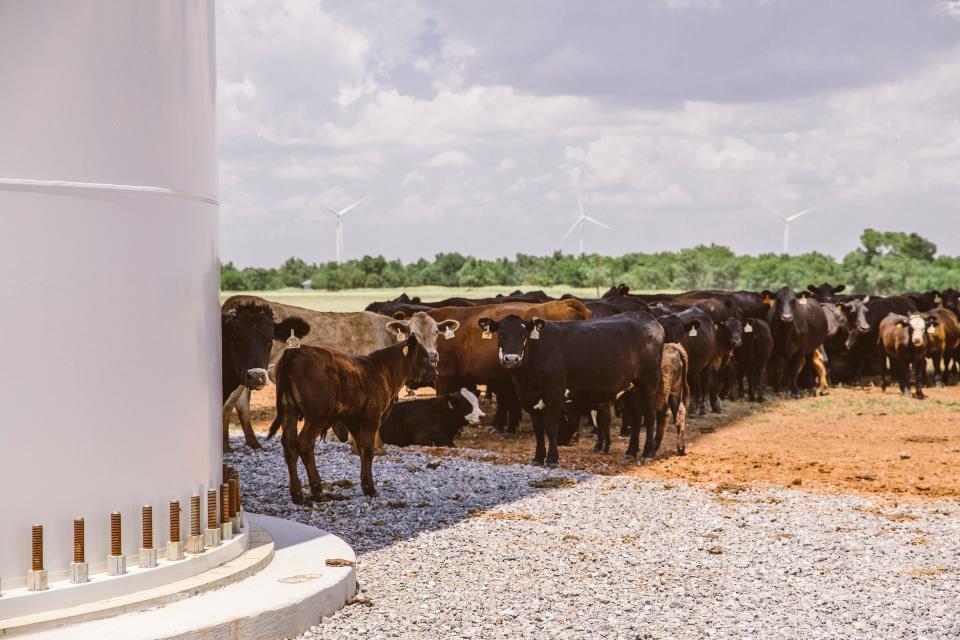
[[903, 339], [943, 341], [326, 386], [473, 359], [673, 393]]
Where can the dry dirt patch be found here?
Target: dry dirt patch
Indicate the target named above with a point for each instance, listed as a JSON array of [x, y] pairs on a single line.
[[852, 441]]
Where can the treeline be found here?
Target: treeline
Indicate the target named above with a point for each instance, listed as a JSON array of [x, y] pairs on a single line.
[[886, 262]]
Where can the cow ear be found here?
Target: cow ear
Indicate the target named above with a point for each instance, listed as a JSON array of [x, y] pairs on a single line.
[[299, 327], [538, 324], [488, 324], [811, 288], [399, 328], [767, 295], [865, 300], [415, 300], [399, 315], [839, 288], [448, 325]]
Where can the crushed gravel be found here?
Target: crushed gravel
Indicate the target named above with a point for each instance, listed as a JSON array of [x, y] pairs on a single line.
[[459, 548]]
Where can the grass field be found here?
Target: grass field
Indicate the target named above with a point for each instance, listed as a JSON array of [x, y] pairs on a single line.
[[357, 299]]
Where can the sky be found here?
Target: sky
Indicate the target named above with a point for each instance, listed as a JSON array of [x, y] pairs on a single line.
[[469, 126]]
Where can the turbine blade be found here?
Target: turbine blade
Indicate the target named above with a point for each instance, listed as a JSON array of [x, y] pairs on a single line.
[[333, 211], [776, 212], [569, 231], [343, 211], [797, 215], [579, 201], [595, 221]]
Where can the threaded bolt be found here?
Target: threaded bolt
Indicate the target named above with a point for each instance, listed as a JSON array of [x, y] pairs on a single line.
[[36, 547], [195, 515], [211, 508], [115, 547], [234, 496], [146, 513], [174, 521], [78, 545], [224, 503]]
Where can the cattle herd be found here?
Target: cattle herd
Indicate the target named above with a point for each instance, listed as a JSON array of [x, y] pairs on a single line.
[[641, 357]]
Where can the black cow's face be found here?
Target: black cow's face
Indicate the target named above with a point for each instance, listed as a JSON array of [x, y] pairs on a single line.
[[826, 291], [784, 303], [855, 313], [730, 332], [950, 299], [248, 335], [513, 335]]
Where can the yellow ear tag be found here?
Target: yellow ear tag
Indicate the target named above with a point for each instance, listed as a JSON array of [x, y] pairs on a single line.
[[803, 301], [535, 334], [486, 335], [693, 332], [293, 342], [406, 349]]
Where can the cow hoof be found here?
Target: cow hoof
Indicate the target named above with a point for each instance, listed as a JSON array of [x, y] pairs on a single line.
[[370, 492], [681, 452], [645, 461], [227, 448], [536, 463], [630, 455], [552, 465], [255, 444], [795, 396], [297, 498], [510, 435]]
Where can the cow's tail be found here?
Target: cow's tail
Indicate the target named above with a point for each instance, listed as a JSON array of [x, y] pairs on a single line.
[[283, 387]]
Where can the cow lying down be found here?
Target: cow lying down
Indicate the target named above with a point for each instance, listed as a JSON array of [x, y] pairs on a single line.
[[430, 422]]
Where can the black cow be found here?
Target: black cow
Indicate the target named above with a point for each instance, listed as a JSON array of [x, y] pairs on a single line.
[[248, 331], [798, 326], [752, 356], [430, 422], [826, 292], [595, 360], [864, 355]]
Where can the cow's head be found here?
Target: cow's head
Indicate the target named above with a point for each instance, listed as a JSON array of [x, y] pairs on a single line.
[[950, 299], [513, 335], [914, 329], [248, 334], [427, 331], [465, 403], [674, 327], [619, 290], [783, 303], [417, 368], [826, 291], [730, 333], [855, 313]]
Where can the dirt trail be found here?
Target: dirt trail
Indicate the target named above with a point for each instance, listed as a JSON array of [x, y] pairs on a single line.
[[851, 441]]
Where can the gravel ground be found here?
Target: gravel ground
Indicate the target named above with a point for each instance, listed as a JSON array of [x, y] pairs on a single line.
[[459, 548]]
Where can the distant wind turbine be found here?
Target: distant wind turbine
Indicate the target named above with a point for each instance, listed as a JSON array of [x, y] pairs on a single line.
[[579, 223], [339, 215], [786, 224]]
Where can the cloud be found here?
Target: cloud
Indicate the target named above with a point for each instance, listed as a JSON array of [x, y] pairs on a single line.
[[450, 160], [506, 166], [412, 178]]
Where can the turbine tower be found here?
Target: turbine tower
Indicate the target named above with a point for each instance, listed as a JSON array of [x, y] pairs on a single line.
[[339, 215], [579, 223], [786, 224]]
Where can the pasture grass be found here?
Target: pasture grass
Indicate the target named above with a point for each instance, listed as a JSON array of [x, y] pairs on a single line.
[[357, 299]]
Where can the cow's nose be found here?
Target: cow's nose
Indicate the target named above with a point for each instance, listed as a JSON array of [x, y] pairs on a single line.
[[864, 327], [434, 357], [786, 317], [510, 359], [255, 379]]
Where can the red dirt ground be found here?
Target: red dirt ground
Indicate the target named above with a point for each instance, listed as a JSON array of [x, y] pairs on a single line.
[[851, 441]]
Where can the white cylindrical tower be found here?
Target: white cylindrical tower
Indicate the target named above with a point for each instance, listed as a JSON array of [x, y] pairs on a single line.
[[109, 271]]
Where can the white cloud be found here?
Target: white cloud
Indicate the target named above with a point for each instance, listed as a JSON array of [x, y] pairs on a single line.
[[450, 160], [412, 178], [506, 166]]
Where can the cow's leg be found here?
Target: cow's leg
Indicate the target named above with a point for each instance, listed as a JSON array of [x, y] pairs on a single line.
[[554, 404], [661, 426], [919, 368], [794, 367], [883, 373], [536, 416], [937, 363], [680, 420], [307, 448], [711, 384], [647, 408], [631, 411], [603, 430], [514, 412], [823, 388], [243, 412], [365, 438], [228, 406], [291, 454], [500, 416]]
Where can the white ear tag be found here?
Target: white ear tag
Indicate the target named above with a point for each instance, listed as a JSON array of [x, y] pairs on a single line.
[[693, 332], [448, 334], [748, 328], [399, 336], [937, 300], [931, 329], [293, 342], [535, 334], [486, 335], [803, 301]]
